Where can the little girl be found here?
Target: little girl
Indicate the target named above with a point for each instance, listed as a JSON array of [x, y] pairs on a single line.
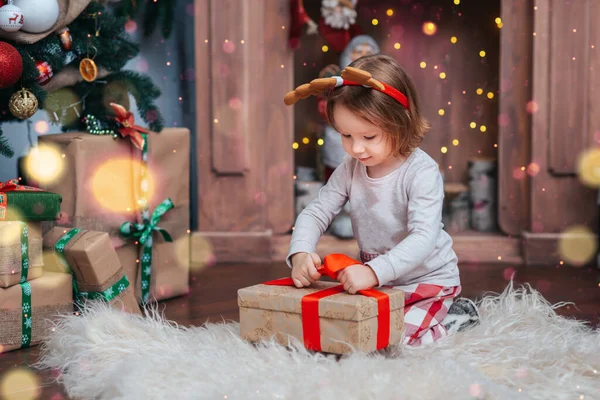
[[395, 192]]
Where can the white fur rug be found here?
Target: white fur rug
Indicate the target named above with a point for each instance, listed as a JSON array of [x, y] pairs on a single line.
[[521, 350]]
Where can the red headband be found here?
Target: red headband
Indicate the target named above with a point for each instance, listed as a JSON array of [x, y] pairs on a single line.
[[387, 89]]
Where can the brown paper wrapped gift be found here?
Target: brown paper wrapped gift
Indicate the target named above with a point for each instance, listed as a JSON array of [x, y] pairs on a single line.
[[344, 320], [11, 252], [94, 263], [51, 294], [85, 196]]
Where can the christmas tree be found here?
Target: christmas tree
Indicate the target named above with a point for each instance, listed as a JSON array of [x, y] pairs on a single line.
[[71, 65]]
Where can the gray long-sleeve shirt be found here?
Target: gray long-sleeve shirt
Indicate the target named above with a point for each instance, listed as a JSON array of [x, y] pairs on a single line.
[[397, 217]]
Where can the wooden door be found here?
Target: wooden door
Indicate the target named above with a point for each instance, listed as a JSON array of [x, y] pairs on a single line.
[[245, 160]]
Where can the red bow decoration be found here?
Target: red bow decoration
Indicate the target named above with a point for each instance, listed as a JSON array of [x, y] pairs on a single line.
[[311, 329], [128, 128], [12, 185]]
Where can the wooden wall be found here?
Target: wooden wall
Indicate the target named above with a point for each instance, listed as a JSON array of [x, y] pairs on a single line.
[[472, 22]]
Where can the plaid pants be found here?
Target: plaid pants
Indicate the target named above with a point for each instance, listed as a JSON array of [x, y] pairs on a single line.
[[425, 306]]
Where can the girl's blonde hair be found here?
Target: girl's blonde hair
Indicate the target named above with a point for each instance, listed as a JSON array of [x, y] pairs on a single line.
[[405, 128]]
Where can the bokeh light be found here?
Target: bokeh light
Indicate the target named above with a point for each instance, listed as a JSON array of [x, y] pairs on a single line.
[[577, 245], [453, 39], [45, 164], [20, 383], [202, 252], [429, 28], [444, 149], [118, 173], [588, 167]]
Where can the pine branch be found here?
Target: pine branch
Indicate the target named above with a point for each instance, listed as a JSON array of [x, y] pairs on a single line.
[[5, 148]]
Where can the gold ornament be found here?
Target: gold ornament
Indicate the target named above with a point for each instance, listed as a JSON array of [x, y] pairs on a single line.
[[23, 104], [88, 69]]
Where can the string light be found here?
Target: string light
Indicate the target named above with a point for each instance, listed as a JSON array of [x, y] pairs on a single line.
[[444, 149], [325, 48], [479, 91], [482, 128], [320, 142], [295, 145], [473, 125], [482, 54], [305, 140], [390, 12], [397, 46], [375, 21], [441, 111], [490, 95], [442, 75], [455, 142], [453, 39], [457, 2], [423, 64]]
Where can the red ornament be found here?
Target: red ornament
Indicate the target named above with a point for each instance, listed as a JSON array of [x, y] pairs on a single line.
[[11, 65], [2, 3], [128, 128], [46, 72]]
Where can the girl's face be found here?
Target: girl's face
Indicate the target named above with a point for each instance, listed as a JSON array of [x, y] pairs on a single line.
[[361, 139]]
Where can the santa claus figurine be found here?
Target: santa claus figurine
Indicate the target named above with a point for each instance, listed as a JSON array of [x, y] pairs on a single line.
[[337, 24]]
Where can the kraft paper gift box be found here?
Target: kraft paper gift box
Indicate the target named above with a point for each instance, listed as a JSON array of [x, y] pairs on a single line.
[[85, 197], [323, 316], [20, 252], [26, 308], [93, 261]]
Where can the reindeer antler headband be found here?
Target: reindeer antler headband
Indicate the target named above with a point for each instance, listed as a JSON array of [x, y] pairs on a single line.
[[350, 77]]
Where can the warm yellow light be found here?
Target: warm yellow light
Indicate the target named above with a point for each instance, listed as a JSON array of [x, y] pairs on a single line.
[[500, 25], [423, 64], [482, 53], [473, 125], [457, 2], [441, 111], [444, 149], [490, 95], [45, 163], [442, 75], [119, 173], [325, 48], [498, 20], [305, 140], [429, 28], [375, 21], [320, 142], [455, 142], [397, 46], [390, 12], [453, 39], [295, 145], [20, 383], [482, 128], [479, 91]]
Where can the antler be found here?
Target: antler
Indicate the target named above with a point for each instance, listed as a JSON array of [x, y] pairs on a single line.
[[362, 77]]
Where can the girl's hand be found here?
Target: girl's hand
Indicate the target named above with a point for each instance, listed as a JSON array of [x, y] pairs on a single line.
[[357, 277], [304, 269]]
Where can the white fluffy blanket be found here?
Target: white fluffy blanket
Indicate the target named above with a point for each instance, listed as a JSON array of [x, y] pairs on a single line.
[[521, 350]]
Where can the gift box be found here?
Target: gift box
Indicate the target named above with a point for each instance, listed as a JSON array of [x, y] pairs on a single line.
[[20, 252], [125, 205], [92, 260], [338, 323], [27, 308], [26, 203]]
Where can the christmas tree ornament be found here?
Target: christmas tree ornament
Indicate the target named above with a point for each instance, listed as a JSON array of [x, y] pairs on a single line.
[[46, 72], [40, 15], [11, 65], [64, 106], [11, 18], [23, 104], [88, 68], [66, 40]]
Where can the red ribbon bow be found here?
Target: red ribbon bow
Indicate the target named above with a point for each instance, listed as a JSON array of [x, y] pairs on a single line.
[[128, 128], [311, 329]]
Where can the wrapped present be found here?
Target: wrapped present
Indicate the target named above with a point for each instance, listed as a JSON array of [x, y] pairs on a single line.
[[20, 252], [27, 203], [323, 316], [150, 189], [26, 309], [92, 260]]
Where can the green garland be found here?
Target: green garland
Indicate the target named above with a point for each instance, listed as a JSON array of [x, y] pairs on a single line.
[[163, 10], [97, 33]]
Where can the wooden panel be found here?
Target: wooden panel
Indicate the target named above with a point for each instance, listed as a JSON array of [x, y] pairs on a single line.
[[469, 247], [514, 122], [550, 193], [230, 83], [231, 246], [569, 83], [279, 133]]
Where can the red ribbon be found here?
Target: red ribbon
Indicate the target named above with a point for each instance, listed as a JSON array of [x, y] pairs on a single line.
[[128, 128], [311, 328]]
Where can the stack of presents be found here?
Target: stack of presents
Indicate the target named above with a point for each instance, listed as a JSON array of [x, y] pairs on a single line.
[[61, 247]]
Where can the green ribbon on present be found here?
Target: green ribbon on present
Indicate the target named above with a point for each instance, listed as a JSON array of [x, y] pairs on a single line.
[[108, 294], [24, 252], [25, 314], [143, 233]]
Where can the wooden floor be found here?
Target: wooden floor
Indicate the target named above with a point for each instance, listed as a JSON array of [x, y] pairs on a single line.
[[214, 291]]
